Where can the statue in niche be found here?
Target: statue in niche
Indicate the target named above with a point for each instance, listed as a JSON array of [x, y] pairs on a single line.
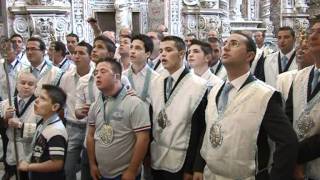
[[123, 16]]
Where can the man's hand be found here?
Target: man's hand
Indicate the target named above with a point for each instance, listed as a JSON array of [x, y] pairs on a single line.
[[128, 175], [95, 173], [197, 176], [14, 123], [187, 176], [23, 166], [298, 173], [9, 113], [131, 92], [83, 111]]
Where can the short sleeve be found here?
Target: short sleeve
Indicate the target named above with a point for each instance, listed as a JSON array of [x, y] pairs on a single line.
[[139, 117], [57, 147], [92, 115]]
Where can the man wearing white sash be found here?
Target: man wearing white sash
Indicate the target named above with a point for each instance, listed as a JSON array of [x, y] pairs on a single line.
[[178, 101], [199, 57], [140, 75], [283, 60], [14, 65], [42, 69], [18, 43], [241, 113], [306, 104], [285, 80], [154, 59], [215, 63]]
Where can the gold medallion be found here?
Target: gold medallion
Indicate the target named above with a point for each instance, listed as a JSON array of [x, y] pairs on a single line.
[[215, 136], [304, 125], [162, 119], [106, 134]]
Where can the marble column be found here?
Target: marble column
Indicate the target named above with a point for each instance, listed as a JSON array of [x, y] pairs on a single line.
[[265, 16], [173, 16]]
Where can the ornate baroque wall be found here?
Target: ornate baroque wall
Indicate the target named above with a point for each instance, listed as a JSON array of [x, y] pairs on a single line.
[[156, 13]]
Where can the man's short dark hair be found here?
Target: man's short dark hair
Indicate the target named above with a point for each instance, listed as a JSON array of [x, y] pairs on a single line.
[[251, 45], [87, 45], [215, 40], [115, 65], [42, 45], [111, 47], [60, 46], [73, 35], [287, 28], [205, 47], [16, 35], [192, 35], [147, 42], [56, 94], [126, 36], [178, 42]]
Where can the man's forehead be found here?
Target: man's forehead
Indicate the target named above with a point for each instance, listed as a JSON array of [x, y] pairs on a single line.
[[167, 44], [81, 48], [104, 65], [195, 46], [71, 38], [99, 42], [284, 33], [33, 43]]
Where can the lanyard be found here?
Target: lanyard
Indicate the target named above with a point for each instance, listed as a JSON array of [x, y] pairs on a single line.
[[146, 83], [113, 104]]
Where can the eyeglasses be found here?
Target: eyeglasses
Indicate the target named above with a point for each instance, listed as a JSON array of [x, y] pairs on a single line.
[[33, 49], [232, 44]]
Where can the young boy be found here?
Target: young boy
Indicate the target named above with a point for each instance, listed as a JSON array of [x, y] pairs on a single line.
[[50, 140], [21, 116], [139, 73], [199, 57]]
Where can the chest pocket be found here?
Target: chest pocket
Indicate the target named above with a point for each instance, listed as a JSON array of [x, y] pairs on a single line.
[[117, 115]]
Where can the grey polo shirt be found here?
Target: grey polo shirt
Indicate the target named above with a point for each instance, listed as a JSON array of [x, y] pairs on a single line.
[[129, 117]]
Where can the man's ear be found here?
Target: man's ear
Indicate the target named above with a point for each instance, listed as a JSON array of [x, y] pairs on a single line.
[[56, 107], [250, 56], [182, 53]]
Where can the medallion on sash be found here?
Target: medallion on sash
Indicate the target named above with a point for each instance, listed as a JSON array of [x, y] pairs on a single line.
[[162, 119], [215, 136], [106, 134], [304, 124]]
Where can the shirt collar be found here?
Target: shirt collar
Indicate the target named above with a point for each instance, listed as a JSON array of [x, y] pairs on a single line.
[[214, 67], [288, 55], [143, 71], [63, 61], [24, 99], [40, 66], [207, 74], [155, 60], [238, 82], [52, 119], [14, 62], [177, 74]]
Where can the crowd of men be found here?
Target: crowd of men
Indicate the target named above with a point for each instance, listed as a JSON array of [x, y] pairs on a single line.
[[159, 107]]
